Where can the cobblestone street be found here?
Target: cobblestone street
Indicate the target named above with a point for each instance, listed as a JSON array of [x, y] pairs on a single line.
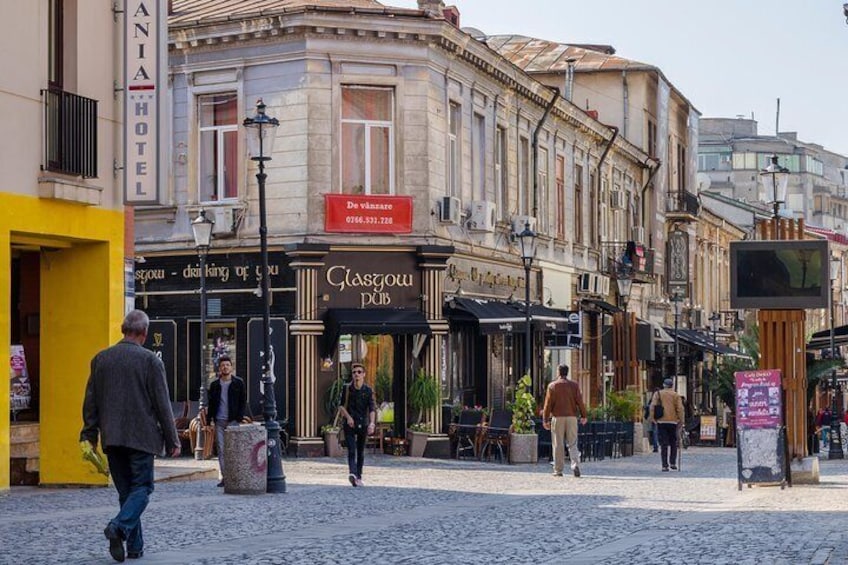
[[621, 511]]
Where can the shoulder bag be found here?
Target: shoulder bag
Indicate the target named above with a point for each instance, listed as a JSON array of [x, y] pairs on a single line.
[[338, 422]]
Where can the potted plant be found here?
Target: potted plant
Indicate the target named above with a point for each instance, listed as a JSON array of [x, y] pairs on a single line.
[[330, 431], [423, 395], [332, 447], [523, 440], [624, 407]]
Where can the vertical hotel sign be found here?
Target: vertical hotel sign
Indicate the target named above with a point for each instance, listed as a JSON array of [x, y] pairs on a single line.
[[145, 33]]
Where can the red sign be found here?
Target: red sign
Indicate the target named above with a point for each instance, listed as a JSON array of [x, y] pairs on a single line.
[[367, 214], [758, 399]]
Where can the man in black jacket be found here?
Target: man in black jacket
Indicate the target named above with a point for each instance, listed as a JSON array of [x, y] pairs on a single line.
[[359, 411], [127, 405], [227, 401]]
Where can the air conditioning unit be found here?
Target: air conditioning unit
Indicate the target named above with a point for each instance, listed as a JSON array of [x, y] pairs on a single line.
[[450, 212], [223, 217], [637, 234], [520, 222], [617, 199], [483, 216]]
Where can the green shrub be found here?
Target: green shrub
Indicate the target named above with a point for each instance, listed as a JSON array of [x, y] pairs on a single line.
[[524, 407], [423, 395], [623, 406]]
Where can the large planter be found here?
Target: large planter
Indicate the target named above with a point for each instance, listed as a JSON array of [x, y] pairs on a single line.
[[417, 443], [523, 448], [332, 447]]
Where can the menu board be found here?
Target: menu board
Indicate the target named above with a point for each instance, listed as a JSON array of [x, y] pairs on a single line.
[[761, 449]]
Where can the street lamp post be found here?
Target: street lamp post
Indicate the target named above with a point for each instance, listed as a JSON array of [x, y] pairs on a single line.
[[625, 286], [775, 179], [676, 300], [528, 249], [261, 131], [201, 227], [835, 449]]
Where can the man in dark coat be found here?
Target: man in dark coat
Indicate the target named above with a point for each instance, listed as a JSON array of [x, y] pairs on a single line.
[[127, 405], [227, 401]]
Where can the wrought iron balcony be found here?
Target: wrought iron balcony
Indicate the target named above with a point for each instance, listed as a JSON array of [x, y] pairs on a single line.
[[70, 141], [682, 205], [630, 256]]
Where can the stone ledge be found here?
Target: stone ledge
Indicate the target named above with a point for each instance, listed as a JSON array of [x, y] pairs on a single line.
[[70, 191]]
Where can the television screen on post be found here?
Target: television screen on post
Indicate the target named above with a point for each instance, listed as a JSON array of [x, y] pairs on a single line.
[[779, 274]]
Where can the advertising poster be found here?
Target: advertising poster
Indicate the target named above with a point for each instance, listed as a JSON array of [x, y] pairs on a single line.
[[758, 400], [21, 387], [708, 428]]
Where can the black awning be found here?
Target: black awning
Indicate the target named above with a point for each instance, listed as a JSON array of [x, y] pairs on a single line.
[[551, 319], [598, 304], [704, 342], [376, 321], [494, 316], [821, 339]]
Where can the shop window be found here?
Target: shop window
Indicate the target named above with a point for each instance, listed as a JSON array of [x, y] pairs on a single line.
[[218, 152], [367, 150]]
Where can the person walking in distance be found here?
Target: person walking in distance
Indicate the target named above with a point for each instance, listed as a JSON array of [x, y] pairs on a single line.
[[667, 413], [127, 406], [359, 411], [563, 405], [227, 401]]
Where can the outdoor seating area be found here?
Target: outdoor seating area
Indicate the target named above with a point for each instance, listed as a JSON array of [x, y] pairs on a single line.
[[487, 439]]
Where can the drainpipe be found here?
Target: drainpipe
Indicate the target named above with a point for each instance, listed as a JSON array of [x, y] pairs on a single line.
[[548, 109], [625, 103]]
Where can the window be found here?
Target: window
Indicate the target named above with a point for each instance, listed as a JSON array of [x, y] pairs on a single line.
[[681, 167], [55, 38], [652, 138], [454, 127], [578, 203], [523, 170], [559, 174], [500, 172], [593, 211], [218, 146], [367, 150], [478, 154], [544, 191]]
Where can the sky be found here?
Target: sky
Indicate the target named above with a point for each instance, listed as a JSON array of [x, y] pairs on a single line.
[[727, 57]]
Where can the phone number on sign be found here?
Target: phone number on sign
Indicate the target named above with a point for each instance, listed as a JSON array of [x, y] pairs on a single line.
[[368, 220]]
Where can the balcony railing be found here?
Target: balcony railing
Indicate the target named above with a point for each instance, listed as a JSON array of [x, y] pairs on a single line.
[[70, 141], [630, 256], [682, 202]]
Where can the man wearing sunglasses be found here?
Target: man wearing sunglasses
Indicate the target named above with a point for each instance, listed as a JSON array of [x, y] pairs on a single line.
[[359, 412]]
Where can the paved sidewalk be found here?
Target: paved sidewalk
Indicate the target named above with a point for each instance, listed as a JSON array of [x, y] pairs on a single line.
[[621, 511]]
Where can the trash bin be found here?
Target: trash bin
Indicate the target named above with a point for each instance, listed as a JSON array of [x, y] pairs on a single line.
[[245, 459]]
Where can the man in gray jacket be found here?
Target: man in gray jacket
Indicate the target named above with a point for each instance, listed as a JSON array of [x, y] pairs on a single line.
[[127, 405]]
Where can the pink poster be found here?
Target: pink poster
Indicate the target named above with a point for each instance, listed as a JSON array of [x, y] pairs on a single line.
[[20, 386], [758, 399]]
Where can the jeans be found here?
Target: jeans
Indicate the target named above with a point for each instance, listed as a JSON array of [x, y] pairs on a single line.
[[668, 439], [220, 428], [132, 474], [355, 442], [655, 436]]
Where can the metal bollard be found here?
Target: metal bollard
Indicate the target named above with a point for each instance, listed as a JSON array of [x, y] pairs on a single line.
[[245, 459]]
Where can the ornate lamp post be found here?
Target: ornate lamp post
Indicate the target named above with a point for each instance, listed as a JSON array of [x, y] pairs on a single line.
[[625, 286], [775, 179], [528, 250], [201, 227], [715, 319], [676, 299], [835, 449], [261, 131]]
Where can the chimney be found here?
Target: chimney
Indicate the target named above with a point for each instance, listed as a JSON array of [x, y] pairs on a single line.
[[432, 7], [451, 15], [569, 78]]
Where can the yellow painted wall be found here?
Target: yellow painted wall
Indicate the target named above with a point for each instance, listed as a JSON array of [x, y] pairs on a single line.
[[82, 288]]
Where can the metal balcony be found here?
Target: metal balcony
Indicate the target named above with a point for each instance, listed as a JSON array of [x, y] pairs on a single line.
[[639, 262], [70, 140], [682, 206]]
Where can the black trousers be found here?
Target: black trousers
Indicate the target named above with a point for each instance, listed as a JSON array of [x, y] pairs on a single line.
[[355, 442], [668, 442]]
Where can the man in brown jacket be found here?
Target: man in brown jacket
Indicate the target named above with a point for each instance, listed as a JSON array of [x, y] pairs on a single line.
[[563, 404], [668, 423]]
